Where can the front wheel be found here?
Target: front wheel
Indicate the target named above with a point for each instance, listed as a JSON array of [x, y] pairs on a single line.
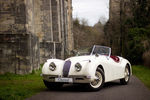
[[98, 83], [126, 79], [52, 85]]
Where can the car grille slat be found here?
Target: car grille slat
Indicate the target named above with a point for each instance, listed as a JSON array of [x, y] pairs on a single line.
[[66, 68]]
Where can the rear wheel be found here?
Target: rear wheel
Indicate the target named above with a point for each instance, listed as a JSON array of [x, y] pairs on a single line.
[[126, 79], [98, 83], [52, 85]]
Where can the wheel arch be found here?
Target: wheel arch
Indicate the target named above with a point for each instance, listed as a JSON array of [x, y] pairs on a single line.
[[130, 68], [101, 67]]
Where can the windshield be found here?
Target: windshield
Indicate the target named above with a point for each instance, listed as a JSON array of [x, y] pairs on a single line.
[[102, 50]]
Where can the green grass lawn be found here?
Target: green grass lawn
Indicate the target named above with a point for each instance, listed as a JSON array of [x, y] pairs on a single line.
[[19, 87], [143, 73]]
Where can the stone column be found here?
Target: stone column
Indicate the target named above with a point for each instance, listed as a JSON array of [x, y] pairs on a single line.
[[70, 26], [114, 26]]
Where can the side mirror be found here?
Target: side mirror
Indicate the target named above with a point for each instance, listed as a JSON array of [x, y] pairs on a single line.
[[96, 55]]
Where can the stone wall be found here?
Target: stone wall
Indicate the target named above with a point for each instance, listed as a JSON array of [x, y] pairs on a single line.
[[119, 12], [16, 53], [18, 46], [32, 31]]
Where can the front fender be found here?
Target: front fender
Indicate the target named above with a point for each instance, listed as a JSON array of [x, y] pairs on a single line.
[[92, 67], [59, 67], [83, 71], [88, 69]]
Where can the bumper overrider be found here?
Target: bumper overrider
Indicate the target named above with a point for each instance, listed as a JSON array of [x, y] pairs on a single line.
[[69, 79]]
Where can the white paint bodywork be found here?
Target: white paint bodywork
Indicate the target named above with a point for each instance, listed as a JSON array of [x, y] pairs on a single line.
[[112, 70]]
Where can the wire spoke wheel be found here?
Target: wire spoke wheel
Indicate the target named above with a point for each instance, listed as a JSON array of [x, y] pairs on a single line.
[[97, 82], [126, 78], [127, 74]]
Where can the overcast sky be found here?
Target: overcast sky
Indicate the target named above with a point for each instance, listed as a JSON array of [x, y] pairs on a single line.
[[91, 10]]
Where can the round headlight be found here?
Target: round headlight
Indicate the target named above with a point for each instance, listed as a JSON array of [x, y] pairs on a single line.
[[78, 67], [52, 66]]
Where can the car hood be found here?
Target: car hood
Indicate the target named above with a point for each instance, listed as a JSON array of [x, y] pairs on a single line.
[[80, 58]]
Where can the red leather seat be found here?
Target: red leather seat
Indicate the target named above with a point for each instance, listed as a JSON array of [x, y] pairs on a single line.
[[115, 58]]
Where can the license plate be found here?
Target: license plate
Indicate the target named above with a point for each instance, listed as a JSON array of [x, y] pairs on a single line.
[[70, 80]]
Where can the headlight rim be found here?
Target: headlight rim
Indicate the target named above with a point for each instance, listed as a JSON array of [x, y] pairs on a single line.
[[78, 67], [52, 66]]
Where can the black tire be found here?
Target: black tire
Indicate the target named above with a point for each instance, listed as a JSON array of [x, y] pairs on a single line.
[[91, 87], [52, 85], [126, 80]]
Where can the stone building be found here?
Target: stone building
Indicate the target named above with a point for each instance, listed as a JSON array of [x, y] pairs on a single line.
[[31, 31], [119, 12]]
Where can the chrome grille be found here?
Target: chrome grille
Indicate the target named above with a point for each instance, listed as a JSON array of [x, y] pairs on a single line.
[[66, 68]]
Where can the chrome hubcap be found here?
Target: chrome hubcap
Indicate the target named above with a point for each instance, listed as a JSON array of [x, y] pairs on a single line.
[[97, 82], [127, 74]]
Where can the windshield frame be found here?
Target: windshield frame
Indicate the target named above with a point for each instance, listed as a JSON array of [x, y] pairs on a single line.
[[102, 47]]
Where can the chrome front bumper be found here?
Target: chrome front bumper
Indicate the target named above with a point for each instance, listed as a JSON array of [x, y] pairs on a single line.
[[75, 79]]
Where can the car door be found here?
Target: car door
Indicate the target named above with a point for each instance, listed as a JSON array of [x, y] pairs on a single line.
[[109, 70], [116, 68]]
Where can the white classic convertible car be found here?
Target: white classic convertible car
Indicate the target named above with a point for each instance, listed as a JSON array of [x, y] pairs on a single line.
[[92, 70]]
